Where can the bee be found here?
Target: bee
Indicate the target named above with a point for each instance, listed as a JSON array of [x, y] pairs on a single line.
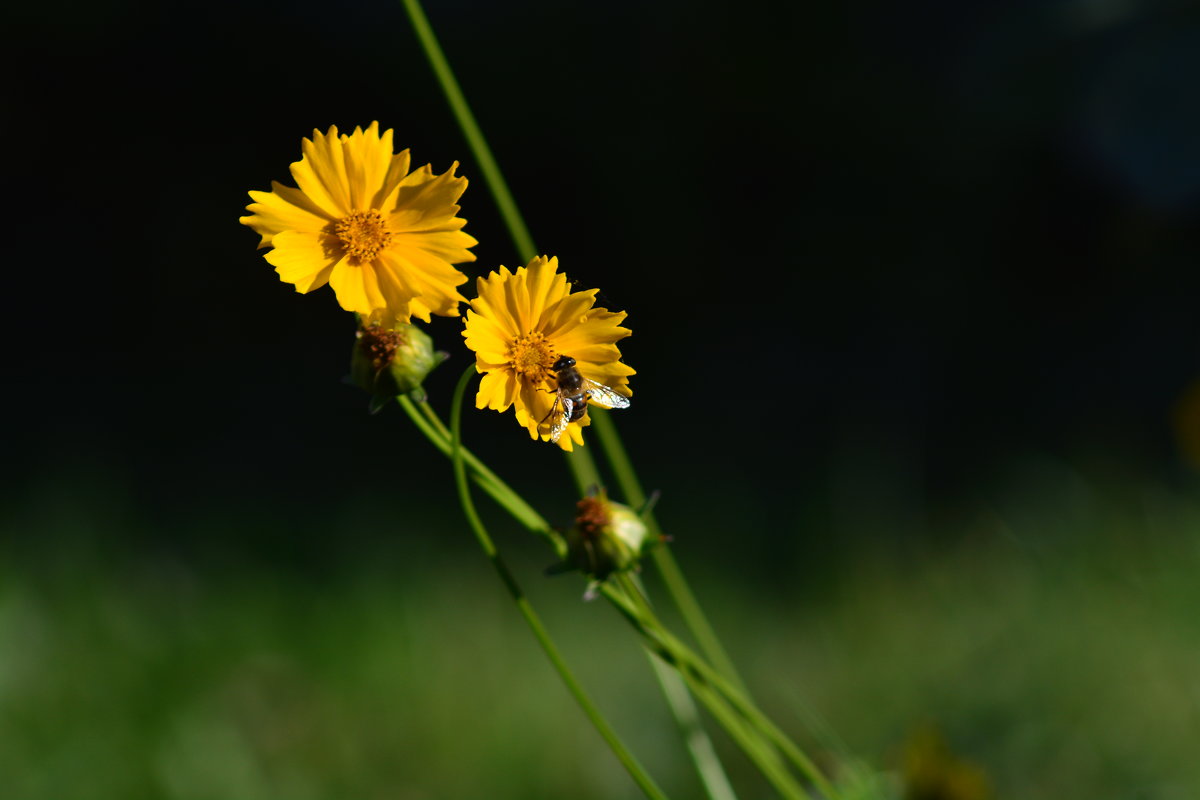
[[571, 396]]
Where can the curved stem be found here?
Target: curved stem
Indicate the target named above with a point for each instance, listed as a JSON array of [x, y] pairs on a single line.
[[584, 466], [429, 424], [643, 780], [672, 575], [675, 690]]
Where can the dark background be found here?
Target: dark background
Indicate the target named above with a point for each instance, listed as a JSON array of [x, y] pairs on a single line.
[[910, 284], [872, 256]]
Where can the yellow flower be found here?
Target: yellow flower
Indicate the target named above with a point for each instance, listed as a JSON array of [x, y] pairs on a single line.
[[384, 238], [520, 324]]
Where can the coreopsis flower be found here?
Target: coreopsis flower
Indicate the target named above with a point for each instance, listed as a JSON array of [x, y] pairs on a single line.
[[384, 238], [521, 325]]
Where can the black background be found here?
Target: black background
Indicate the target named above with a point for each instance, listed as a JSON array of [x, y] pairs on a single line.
[[874, 255]]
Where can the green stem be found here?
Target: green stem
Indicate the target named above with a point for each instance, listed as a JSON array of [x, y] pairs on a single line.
[[704, 755], [639, 775], [751, 741], [672, 575], [708, 764], [437, 433], [763, 756], [674, 688], [583, 469], [675, 652], [466, 120]]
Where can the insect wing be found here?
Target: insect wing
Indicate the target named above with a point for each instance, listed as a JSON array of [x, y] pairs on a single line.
[[564, 416], [603, 395]]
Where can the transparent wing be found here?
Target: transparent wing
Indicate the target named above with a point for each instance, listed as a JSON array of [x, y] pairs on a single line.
[[564, 416], [604, 395]]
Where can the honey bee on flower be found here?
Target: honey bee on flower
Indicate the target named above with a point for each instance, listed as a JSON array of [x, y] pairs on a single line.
[[545, 351], [571, 394]]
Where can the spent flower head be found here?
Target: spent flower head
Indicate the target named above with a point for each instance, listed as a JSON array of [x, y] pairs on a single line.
[[392, 359], [607, 537], [384, 238], [521, 324]]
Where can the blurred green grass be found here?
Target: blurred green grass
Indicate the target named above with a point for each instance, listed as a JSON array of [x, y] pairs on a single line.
[[1053, 640]]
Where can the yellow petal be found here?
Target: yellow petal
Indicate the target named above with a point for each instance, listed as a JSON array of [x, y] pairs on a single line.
[[486, 339], [533, 410], [568, 313], [429, 280], [397, 171], [321, 173], [497, 391], [367, 158], [426, 204], [574, 434], [356, 287], [491, 301], [282, 209], [449, 246], [547, 286], [303, 258]]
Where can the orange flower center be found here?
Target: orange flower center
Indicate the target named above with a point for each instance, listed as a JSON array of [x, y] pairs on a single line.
[[363, 234], [531, 357]]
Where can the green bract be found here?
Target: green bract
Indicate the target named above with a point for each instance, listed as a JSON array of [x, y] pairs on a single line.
[[391, 361]]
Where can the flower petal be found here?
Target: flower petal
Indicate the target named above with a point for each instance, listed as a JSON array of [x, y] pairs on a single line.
[[491, 301], [431, 280], [449, 246], [426, 203], [486, 339], [369, 160], [356, 287], [321, 173], [497, 390], [303, 258], [283, 209], [397, 171]]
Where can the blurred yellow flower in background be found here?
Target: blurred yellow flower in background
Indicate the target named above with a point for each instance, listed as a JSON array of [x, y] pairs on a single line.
[[521, 324], [1185, 418], [384, 238]]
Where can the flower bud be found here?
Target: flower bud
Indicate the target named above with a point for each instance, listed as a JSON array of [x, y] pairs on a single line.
[[392, 360], [607, 537]]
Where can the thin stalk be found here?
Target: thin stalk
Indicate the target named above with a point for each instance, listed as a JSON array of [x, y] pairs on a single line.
[[672, 575], [475, 138], [508, 209], [483, 477], [763, 756], [691, 665], [708, 763], [675, 690], [664, 647], [639, 775], [583, 469], [695, 738]]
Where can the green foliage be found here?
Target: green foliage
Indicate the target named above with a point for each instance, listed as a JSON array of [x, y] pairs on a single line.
[[1054, 646]]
